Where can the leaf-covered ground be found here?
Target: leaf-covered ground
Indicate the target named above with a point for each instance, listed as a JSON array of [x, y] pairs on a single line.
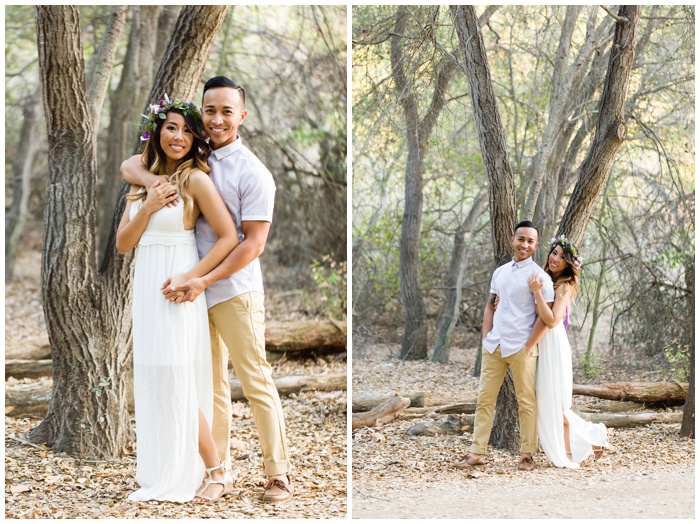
[[648, 474], [40, 483]]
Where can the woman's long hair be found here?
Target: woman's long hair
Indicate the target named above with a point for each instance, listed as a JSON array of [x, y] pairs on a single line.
[[569, 276], [155, 160]]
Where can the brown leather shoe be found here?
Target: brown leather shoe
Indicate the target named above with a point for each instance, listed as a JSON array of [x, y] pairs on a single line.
[[469, 460], [277, 490], [526, 464]]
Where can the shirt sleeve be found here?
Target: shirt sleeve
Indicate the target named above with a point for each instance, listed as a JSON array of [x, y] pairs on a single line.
[[257, 196], [493, 289], [548, 290]]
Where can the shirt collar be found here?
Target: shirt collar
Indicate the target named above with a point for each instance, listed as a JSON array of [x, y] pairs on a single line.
[[227, 149], [522, 263]]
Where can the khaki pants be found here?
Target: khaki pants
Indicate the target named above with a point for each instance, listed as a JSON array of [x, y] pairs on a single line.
[[493, 371], [240, 324]]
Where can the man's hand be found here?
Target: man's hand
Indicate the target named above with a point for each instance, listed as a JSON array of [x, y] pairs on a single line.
[[163, 181], [178, 289], [529, 350], [159, 195]]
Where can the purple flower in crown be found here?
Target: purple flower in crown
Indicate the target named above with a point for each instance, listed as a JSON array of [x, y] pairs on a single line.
[[155, 108], [145, 136]]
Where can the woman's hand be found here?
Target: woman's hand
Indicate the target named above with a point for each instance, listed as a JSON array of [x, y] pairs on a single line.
[[494, 302], [159, 195], [536, 284]]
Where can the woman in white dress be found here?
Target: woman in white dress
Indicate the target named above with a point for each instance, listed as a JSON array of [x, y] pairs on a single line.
[[172, 349], [566, 438]]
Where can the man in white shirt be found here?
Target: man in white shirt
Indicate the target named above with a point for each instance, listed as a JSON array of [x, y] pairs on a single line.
[[234, 289], [511, 333]]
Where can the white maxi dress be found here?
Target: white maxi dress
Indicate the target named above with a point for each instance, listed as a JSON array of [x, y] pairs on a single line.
[[553, 389], [172, 363]]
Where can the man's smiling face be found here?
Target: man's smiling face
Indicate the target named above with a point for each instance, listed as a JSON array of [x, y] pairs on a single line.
[[524, 243], [222, 114]]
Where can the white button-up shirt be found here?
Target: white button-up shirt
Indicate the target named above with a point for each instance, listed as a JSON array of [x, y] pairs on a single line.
[[248, 190], [517, 311]]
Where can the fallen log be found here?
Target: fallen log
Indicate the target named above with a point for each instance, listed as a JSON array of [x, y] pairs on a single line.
[[28, 368], [280, 337], [32, 400], [305, 334], [458, 424], [631, 420], [383, 413], [297, 383], [447, 425], [648, 392], [448, 409], [363, 402], [28, 400], [31, 348], [614, 407]]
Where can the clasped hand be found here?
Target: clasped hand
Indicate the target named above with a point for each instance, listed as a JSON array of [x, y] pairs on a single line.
[[178, 289]]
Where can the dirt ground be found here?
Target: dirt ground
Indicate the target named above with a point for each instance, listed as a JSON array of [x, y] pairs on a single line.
[[42, 484], [650, 473]]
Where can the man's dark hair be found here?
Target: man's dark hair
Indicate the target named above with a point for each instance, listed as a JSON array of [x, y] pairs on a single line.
[[526, 223], [222, 81]]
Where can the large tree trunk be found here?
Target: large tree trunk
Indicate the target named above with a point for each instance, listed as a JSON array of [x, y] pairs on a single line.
[[78, 419], [22, 163], [88, 313], [455, 281], [688, 424], [611, 129], [415, 338], [124, 111], [490, 130], [492, 140]]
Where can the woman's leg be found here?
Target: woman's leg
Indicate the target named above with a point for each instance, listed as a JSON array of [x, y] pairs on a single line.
[[207, 450], [567, 442]]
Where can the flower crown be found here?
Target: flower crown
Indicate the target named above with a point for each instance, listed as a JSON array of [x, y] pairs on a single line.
[[159, 110], [569, 247]]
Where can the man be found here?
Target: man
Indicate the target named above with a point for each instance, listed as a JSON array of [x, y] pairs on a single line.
[[234, 289], [511, 333]]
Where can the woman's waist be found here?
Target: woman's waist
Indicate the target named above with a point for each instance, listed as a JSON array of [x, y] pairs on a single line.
[[167, 238]]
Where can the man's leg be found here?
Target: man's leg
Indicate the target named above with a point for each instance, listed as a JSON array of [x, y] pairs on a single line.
[[493, 369], [221, 421], [523, 368], [241, 323]]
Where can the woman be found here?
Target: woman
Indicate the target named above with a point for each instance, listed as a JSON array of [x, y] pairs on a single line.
[[565, 437], [172, 349]]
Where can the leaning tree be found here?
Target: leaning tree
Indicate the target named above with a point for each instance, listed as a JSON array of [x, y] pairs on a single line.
[[88, 310], [593, 173]]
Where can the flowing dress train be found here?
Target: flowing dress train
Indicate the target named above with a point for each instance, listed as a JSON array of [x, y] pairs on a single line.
[[553, 386], [172, 363]]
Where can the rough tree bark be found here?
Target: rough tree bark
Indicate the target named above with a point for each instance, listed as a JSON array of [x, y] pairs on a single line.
[[505, 432], [22, 162], [455, 280], [99, 75], [688, 423], [415, 339], [124, 110], [88, 312], [611, 129], [559, 98]]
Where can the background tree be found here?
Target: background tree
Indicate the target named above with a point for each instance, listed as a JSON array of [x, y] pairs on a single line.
[[87, 310]]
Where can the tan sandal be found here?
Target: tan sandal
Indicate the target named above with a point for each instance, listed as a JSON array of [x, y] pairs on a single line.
[[208, 481]]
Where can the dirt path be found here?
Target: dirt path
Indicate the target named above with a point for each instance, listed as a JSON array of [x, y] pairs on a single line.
[[668, 493]]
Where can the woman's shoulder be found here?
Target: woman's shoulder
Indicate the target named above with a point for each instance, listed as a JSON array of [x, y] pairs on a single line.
[[199, 178]]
